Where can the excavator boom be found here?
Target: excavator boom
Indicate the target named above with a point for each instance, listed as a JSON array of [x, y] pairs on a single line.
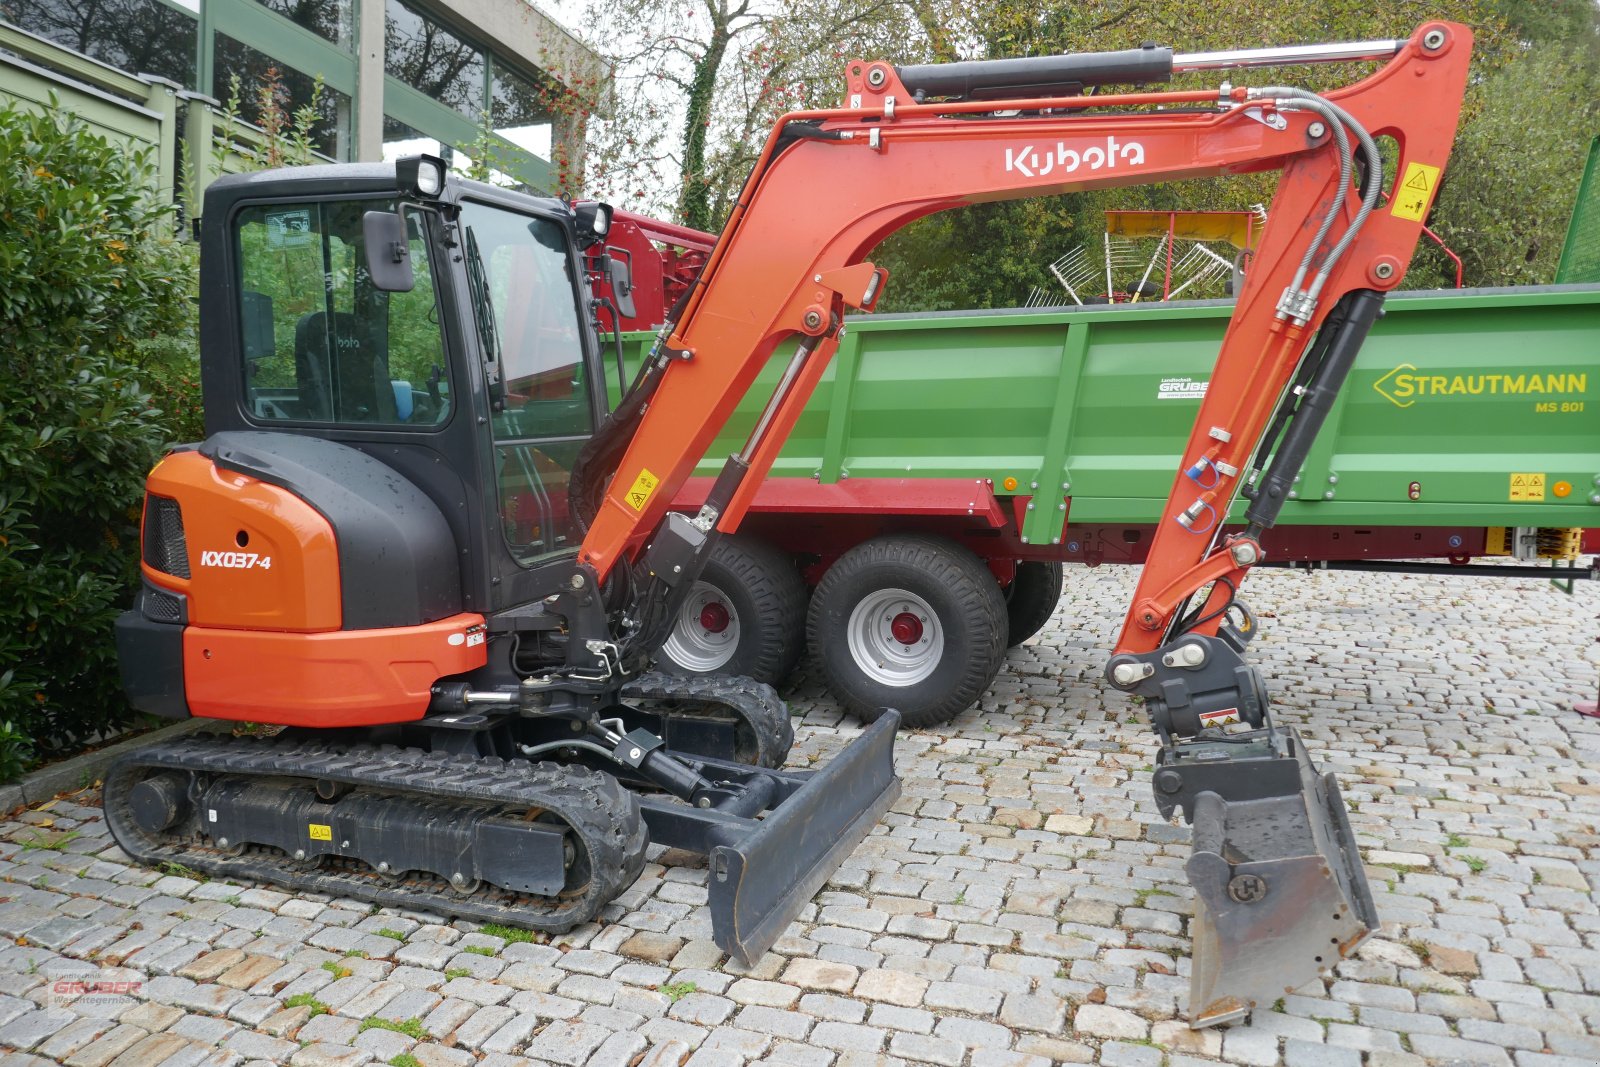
[[1271, 842]]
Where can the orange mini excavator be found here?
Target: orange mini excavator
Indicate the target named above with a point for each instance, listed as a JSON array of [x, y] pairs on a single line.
[[417, 540]]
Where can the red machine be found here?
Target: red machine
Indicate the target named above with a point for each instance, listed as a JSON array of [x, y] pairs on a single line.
[[395, 433]]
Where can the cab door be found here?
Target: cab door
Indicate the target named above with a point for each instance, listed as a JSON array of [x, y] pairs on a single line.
[[528, 288]]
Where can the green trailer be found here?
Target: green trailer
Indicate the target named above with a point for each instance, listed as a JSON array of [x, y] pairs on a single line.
[[997, 446]]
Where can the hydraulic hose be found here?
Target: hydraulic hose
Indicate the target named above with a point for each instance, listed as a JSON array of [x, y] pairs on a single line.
[[1290, 97]]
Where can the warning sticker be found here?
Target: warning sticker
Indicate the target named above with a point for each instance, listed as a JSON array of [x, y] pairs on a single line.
[[1414, 192], [1527, 487], [1224, 717], [320, 832], [640, 491]]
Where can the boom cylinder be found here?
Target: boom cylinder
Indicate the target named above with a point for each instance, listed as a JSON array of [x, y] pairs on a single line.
[[1034, 76]]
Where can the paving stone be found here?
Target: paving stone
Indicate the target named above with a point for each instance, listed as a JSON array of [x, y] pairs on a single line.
[[113, 1044], [150, 1051], [820, 974], [924, 1048], [26, 1031], [567, 1043], [328, 1055], [1099, 1020], [892, 987]]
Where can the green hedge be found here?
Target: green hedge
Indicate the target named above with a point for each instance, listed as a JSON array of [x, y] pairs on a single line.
[[96, 310]]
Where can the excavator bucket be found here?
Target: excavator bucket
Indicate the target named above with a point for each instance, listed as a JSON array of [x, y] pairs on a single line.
[[764, 868], [1280, 893]]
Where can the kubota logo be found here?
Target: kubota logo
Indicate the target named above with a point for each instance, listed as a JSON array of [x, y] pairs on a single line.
[[1403, 385], [1032, 163]]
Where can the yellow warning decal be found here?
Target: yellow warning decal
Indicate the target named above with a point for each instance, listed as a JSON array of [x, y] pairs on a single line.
[[320, 832], [1414, 193], [1225, 717], [643, 487], [1527, 487]]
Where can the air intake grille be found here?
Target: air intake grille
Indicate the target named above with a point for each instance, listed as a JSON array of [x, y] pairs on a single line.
[[162, 607], [164, 547]]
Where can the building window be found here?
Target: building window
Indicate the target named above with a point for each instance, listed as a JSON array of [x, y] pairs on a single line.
[[520, 111], [433, 61], [137, 36], [332, 19], [331, 131]]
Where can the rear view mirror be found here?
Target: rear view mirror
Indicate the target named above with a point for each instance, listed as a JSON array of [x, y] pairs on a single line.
[[388, 251], [621, 279]]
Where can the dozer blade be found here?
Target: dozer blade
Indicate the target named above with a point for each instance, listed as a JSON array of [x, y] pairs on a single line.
[[763, 871], [1280, 893]]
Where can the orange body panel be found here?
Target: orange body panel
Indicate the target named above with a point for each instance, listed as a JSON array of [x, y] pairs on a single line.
[[344, 678], [260, 558], [822, 205]]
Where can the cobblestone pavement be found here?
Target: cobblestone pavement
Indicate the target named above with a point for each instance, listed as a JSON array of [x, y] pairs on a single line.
[[1023, 902]]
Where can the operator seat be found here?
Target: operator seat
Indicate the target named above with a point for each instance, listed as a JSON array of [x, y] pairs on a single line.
[[342, 374]]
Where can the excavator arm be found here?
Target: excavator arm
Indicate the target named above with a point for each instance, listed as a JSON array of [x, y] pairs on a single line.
[[1280, 892]]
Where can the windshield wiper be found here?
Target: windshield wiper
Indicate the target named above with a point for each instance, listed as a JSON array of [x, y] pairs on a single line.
[[488, 331]]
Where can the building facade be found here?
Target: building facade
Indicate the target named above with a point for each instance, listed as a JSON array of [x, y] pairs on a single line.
[[494, 79]]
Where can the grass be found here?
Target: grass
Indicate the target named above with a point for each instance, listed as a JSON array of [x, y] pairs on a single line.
[[511, 935], [390, 932], [456, 972], [1455, 841], [411, 1027], [1477, 864], [676, 991], [355, 953], [1142, 895], [306, 1000], [479, 950], [180, 871], [232, 900], [337, 969], [405, 1059], [51, 843]]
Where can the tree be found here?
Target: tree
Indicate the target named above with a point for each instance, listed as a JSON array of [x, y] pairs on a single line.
[[769, 62], [92, 270], [721, 71]]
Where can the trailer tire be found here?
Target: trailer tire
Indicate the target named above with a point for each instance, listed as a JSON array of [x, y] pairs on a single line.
[[1031, 599], [910, 622], [745, 616]]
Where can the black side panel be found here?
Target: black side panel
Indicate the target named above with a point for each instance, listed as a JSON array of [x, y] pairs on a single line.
[[150, 658], [397, 558]]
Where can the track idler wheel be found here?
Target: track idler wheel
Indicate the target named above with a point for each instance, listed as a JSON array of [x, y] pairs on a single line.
[[159, 801], [712, 716]]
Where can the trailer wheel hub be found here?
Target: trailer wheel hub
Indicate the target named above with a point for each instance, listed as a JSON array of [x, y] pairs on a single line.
[[706, 635], [714, 617], [895, 637], [906, 628]]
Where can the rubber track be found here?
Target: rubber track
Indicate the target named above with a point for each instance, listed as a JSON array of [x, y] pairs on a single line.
[[598, 810], [755, 703]]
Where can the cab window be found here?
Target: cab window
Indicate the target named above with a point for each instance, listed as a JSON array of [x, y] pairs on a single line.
[[320, 343]]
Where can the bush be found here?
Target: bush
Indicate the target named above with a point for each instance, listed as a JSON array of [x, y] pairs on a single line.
[[94, 279]]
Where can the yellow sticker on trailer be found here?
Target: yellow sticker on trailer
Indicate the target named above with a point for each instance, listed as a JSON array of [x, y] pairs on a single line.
[[320, 832], [643, 487], [1414, 193], [1527, 487]]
